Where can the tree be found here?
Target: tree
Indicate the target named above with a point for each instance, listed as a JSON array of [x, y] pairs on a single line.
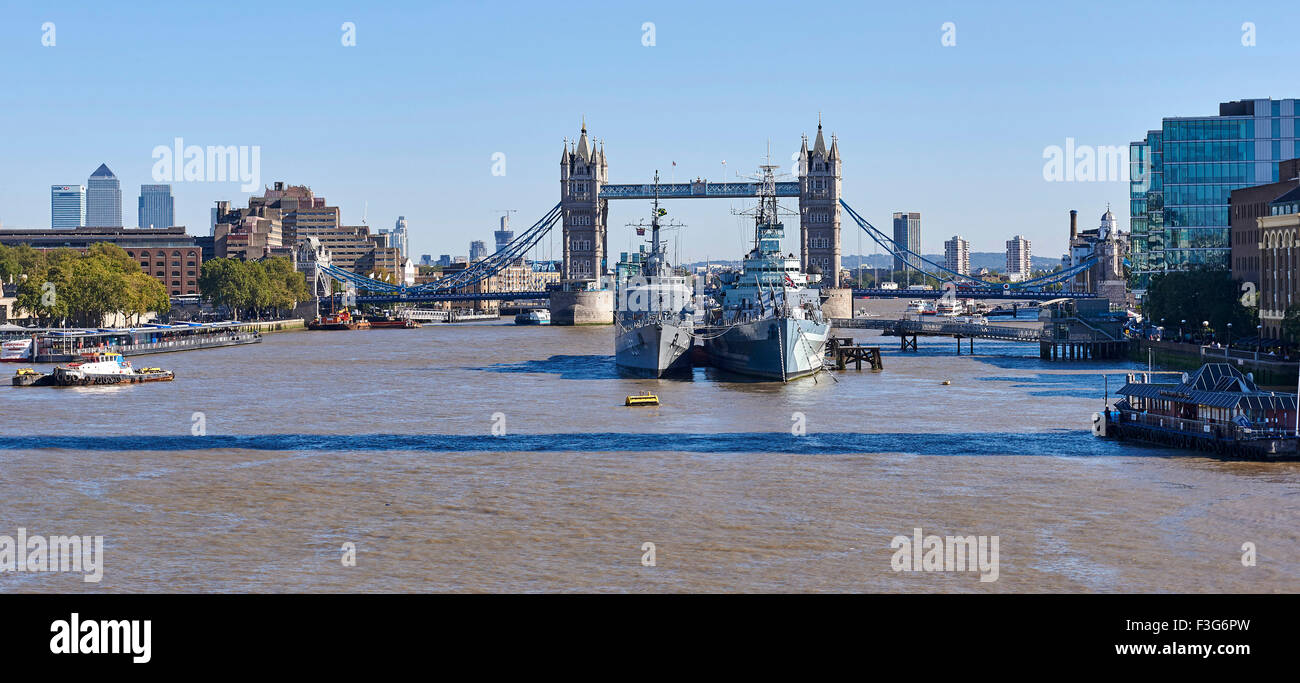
[[1291, 323], [1197, 296], [64, 286], [255, 287]]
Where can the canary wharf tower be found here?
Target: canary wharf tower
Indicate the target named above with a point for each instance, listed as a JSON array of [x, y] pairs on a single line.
[[103, 199]]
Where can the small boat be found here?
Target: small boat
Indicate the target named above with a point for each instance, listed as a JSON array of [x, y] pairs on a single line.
[[920, 307], [537, 316], [644, 398], [95, 368], [950, 308]]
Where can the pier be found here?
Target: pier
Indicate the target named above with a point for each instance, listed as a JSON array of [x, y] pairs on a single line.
[[1217, 409], [426, 315], [844, 351], [61, 346]]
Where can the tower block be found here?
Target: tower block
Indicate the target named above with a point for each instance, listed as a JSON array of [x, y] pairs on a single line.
[[582, 171], [820, 189]]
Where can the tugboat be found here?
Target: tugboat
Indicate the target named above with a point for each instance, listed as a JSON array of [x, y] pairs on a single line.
[[654, 319], [768, 322], [95, 368], [343, 320]]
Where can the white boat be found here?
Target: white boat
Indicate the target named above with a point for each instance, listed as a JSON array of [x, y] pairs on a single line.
[[537, 316], [950, 308], [921, 307], [99, 367], [16, 351]]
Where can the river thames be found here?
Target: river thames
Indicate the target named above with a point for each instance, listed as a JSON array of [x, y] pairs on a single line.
[[385, 439]]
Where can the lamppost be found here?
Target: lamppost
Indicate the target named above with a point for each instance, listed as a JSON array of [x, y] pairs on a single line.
[[1180, 330], [1259, 340], [1229, 335], [1205, 330]]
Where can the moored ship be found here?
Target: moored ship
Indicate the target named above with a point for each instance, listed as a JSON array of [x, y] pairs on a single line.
[[768, 322], [654, 319]]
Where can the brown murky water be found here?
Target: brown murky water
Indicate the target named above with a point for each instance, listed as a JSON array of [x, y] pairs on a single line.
[[384, 439]]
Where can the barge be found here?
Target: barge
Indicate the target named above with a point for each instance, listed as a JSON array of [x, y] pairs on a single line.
[[1216, 409], [66, 345]]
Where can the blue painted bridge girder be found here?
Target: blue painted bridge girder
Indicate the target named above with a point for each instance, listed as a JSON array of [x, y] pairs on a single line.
[[446, 296], [703, 190], [1017, 294]]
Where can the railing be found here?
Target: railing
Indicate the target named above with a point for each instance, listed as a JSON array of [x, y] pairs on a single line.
[[1208, 353], [694, 189], [193, 341], [1217, 429], [1025, 334], [424, 315]]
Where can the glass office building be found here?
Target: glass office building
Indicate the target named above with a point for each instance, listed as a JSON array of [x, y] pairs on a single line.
[[1181, 176], [67, 206], [155, 208], [103, 199]]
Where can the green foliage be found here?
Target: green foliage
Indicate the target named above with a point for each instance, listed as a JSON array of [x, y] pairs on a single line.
[[1291, 323], [253, 286], [67, 287], [1197, 296]]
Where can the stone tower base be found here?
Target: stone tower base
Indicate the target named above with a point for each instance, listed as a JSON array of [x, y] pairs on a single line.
[[837, 303], [582, 308]]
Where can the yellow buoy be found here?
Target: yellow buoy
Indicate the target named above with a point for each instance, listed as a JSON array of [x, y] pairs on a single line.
[[644, 398]]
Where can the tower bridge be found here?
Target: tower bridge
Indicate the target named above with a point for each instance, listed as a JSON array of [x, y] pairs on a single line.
[[583, 213]]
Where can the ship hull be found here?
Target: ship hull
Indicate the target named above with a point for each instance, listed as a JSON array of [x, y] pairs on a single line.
[[71, 378], [773, 348], [654, 349]]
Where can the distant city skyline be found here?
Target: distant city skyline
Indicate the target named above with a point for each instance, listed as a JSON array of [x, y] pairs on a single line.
[[966, 150]]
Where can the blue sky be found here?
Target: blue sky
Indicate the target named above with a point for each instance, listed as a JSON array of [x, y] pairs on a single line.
[[407, 121]]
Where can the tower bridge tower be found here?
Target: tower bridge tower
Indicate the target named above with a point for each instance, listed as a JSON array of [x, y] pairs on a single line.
[[582, 172], [820, 188]]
